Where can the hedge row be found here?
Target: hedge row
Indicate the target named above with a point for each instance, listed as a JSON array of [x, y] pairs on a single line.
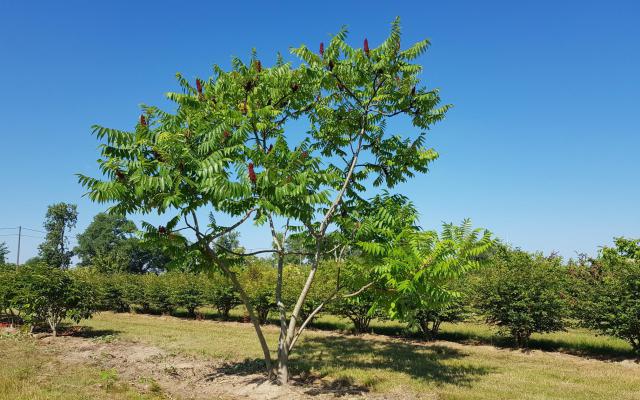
[[518, 292]]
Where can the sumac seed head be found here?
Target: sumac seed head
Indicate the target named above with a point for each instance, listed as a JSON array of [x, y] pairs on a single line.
[[120, 175], [162, 230], [226, 134], [295, 87], [143, 120], [331, 65], [258, 66], [252, 173], [304, 155], [366, 47], [321, 48], [199, 86]]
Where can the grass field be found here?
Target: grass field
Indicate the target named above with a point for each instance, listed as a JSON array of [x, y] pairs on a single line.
[[374, 363], [30, 372]]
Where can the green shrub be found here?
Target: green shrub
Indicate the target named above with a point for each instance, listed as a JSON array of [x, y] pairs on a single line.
[[8, 292], [220, 293], [119, 292], [429, 319], [609, 299], [48, 294], [361, 307], [522, 294], [158, 293], [187, 290], [259, 281]]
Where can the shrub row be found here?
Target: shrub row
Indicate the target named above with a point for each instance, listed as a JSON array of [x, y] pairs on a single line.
[[519, 292]]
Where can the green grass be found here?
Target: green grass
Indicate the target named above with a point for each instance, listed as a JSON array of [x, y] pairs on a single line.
[[378, 363], [575, 341], [31, 372]]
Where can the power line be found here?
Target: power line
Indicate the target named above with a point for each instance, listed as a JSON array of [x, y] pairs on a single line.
[[34, 230], [23, 235]]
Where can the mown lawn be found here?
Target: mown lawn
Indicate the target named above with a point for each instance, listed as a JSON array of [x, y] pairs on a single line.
[[441, 369]]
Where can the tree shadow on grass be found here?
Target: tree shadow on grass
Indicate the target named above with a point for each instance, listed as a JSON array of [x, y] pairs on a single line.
[[87, 332], [314, 355], [422, 362], [599, 351]]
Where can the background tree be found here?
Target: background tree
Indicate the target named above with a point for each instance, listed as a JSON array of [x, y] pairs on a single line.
[[228, 149], [109, 245], [54, 251], [103, 236], [4, 251]]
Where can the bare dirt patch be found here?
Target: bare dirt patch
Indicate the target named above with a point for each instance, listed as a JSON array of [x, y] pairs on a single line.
[[151, 369]]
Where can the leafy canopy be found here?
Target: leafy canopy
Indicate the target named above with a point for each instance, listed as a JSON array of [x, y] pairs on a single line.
[[227, 148]]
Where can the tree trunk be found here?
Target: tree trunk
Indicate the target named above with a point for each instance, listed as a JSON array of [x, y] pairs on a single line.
[[53, 324], [283, 362], [435, 328], [254, 320], [361, 323], [286, 339], [245, 299], [283, 348]]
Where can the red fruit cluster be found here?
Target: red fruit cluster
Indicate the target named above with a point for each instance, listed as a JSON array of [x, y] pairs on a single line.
[[226, 134], [162, 230], [321, 48], [252, 173], [143, 120], [366, 47], [120, 175], [304, 155], [199, 86], [258, 66]]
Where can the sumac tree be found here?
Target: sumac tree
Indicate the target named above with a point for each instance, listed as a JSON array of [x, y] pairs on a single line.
[[229, 149]]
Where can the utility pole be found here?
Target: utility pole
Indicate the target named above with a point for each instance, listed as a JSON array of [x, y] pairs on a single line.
[[19, 237]]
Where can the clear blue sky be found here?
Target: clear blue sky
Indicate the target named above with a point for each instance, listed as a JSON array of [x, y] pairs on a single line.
[[542, 146]]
